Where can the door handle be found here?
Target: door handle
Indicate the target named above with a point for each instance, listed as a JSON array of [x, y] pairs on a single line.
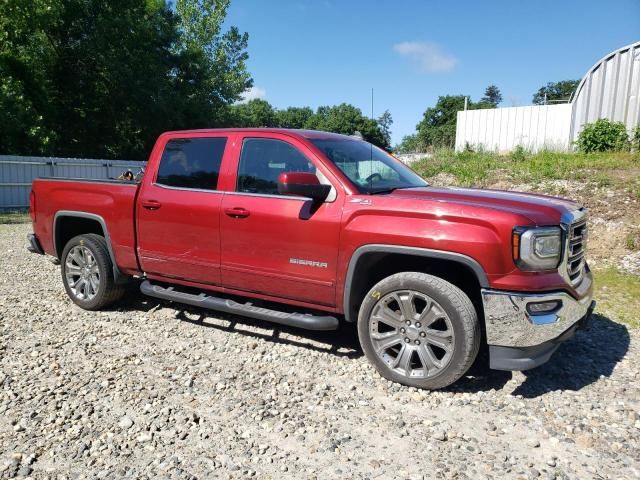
[[237, 212], [151, 204]]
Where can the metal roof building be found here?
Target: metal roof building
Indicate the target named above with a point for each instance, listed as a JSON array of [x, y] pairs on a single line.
[[610, 89]]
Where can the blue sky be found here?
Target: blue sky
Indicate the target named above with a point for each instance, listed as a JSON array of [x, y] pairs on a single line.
[[325, 52]]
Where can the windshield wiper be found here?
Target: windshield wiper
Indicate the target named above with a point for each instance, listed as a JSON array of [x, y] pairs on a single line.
[[384, 190], [393, 189]]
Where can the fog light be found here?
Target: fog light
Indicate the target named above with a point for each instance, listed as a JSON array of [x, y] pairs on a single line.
[[540, 308]]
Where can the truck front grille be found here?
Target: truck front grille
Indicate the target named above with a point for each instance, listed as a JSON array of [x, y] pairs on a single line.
[[576, 247]]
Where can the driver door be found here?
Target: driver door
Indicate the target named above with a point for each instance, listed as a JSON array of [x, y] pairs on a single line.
[[268, 244]]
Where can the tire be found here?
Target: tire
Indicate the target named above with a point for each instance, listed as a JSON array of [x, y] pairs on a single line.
[[419, 330], [97, 288]]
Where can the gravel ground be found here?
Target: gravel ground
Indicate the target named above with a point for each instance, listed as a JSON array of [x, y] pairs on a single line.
[[151, 390]]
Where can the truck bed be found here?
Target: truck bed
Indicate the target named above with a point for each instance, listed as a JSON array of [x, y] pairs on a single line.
[[112, 202]]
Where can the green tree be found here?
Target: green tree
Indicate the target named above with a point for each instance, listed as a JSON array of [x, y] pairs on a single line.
[[553, 92], [384, 122], [25, 59], [492, 96], [409, 144], [438, 125], [224, 54], [254, 113], [110, 85], [347, 119], [294, 117], [94, 78]]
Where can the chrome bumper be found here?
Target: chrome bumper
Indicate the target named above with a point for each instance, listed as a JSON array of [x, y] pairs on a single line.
[[509, 324]]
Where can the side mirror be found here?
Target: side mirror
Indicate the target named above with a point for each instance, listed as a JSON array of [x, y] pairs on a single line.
[[303, 184]]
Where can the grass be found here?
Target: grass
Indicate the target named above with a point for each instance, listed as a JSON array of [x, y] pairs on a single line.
[[632, 240], [14, 217], [618, 296], [479, 168]]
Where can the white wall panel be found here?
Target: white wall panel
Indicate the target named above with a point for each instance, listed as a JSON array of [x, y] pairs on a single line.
[[502, 129]]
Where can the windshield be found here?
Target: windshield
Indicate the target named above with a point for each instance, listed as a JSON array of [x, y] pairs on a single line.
[[371, 169]]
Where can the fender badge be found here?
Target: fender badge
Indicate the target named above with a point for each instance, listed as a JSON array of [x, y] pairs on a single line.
[[308, 263]]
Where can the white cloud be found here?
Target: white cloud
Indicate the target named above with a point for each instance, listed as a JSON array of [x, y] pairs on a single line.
[[428, 56], [252, 94]]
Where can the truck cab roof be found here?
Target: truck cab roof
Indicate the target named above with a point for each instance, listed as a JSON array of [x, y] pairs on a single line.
[[300, 133]]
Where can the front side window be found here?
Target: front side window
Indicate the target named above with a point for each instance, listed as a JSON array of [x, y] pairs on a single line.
[[371, 169], [261, 162], [191, 163]]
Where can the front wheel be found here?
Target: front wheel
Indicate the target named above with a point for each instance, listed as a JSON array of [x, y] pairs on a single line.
[[419, 330], [87, 272]]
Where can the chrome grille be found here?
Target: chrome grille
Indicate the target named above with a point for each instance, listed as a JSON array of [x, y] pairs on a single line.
[[576, 248]]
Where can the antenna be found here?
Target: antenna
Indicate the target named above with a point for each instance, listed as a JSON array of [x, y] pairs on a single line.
[[371, 148], [371, 103]]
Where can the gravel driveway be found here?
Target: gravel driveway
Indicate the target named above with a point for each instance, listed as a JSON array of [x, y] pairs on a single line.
[[152, 390]]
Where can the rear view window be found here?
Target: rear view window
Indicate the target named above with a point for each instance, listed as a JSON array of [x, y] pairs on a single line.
[[192, 163]]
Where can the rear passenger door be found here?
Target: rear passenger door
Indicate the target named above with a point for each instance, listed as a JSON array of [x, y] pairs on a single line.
[[178, 211], [269, 243]]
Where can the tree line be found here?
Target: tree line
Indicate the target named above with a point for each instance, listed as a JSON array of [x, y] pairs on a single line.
[[343, 118], [89, 78], [103, 79]]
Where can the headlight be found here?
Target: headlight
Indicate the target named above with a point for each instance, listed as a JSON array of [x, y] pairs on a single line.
[[537, 248]]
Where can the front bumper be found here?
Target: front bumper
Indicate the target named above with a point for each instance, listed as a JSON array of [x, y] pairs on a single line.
[[519, 340]]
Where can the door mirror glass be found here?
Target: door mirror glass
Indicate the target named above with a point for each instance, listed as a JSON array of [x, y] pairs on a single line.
[[303, 184]]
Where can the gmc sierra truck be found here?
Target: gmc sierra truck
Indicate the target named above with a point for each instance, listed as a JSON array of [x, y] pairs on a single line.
[[309, 229]]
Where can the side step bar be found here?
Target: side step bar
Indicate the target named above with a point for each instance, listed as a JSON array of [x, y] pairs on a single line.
[[308, 322]]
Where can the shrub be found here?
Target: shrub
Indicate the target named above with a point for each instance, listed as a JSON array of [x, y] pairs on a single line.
[[518, 154], [603, 135], [635, 139]]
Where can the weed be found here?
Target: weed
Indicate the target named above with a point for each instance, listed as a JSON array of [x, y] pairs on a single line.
[[519, 154], [632, 240], [618, 295]]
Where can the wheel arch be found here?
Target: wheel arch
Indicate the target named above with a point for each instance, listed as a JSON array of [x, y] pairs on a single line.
[[69, 223], [370, 263]]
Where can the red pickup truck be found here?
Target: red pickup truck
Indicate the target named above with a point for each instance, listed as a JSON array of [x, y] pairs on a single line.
[[328, 228]]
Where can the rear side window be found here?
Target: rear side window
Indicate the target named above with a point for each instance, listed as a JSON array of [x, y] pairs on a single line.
[[191, 163], [263, 159]]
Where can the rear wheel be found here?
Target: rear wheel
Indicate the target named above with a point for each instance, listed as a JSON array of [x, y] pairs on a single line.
[[87, 272], [419, 330]]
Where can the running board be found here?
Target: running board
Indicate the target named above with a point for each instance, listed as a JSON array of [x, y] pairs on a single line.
[[308, 322]]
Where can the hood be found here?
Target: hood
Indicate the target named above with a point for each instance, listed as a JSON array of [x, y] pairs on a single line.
[[540, 209]]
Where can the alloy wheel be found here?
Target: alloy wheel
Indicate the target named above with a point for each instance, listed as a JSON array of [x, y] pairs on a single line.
[[411, 333], [82, 273]]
